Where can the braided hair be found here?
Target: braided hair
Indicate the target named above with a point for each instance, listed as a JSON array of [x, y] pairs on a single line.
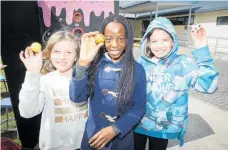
[[126, 82]]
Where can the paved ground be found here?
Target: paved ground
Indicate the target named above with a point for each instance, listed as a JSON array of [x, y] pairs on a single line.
[[220, 97], [207, 128], [208, 114]]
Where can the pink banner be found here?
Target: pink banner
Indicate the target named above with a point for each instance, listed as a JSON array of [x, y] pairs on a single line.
[[87, 6]]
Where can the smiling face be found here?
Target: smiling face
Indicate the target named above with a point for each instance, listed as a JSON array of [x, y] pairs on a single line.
[[63, 55], [115, 40], [161, 43]]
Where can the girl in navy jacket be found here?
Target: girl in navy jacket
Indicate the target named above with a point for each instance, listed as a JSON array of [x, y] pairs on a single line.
[[115, 83]]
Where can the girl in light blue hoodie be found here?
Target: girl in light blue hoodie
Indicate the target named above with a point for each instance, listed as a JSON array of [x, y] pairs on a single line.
[[169, 79]]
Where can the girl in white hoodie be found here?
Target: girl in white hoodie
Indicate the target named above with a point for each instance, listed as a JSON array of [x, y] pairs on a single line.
[[63, 122]]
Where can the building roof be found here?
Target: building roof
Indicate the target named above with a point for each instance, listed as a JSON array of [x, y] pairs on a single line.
[[211, 6], [148, 6], [197, 7]]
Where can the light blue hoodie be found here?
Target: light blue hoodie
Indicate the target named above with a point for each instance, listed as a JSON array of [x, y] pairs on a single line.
[[168, 83]]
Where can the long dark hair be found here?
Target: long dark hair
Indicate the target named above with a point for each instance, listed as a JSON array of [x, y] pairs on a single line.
[[126, 82]]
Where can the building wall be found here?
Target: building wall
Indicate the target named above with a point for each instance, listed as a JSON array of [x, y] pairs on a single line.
[[136, 27], [208, 20], [217, 34]]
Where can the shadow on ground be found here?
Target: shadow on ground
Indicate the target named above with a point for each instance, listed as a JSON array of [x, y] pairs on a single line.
[[197, 128]]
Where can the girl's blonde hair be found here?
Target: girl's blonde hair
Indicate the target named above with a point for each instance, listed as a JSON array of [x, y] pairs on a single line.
[[55, 38]]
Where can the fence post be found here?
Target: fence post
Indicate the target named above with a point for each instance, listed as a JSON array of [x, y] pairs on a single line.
[[216, 45]]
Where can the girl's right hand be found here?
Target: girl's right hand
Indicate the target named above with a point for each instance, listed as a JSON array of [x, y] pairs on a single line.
[[32, 61], [199, 37], [89, 49]]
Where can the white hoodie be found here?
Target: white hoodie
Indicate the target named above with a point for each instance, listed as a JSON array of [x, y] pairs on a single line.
[[62, 123]]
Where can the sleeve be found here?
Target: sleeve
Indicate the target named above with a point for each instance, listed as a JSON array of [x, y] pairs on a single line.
[[31, 96], [134, 114], [78, 89], [201, 74]]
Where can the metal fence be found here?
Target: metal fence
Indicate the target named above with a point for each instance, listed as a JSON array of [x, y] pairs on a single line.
[[216, 44]]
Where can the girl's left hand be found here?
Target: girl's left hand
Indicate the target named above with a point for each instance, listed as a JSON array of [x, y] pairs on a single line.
[[103, 137], [199, 37], [2, 66]]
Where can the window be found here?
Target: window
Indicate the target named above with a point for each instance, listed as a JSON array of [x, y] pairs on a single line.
[[223, 20], [181, 20], [145, 24]]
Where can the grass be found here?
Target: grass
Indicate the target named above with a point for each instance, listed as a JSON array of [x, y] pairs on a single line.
[[12, 124], [3, 89]]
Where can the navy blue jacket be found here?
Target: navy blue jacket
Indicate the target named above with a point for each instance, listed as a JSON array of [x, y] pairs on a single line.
[[102, 107]]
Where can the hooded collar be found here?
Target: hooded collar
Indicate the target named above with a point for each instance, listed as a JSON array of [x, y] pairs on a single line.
[[107, 59], [165, 24]]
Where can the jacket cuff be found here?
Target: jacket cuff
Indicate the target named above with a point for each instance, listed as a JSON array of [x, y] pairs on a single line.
[[202, 54], [79, 72], [116, 129]]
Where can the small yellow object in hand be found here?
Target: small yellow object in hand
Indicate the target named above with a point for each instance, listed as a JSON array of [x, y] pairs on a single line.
[[35, 47], [99, 38]]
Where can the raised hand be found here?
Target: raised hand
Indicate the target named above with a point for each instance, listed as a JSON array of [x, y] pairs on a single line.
[[2, 66], [102, 138], [199, 37], [89, 48], [32, 61]]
